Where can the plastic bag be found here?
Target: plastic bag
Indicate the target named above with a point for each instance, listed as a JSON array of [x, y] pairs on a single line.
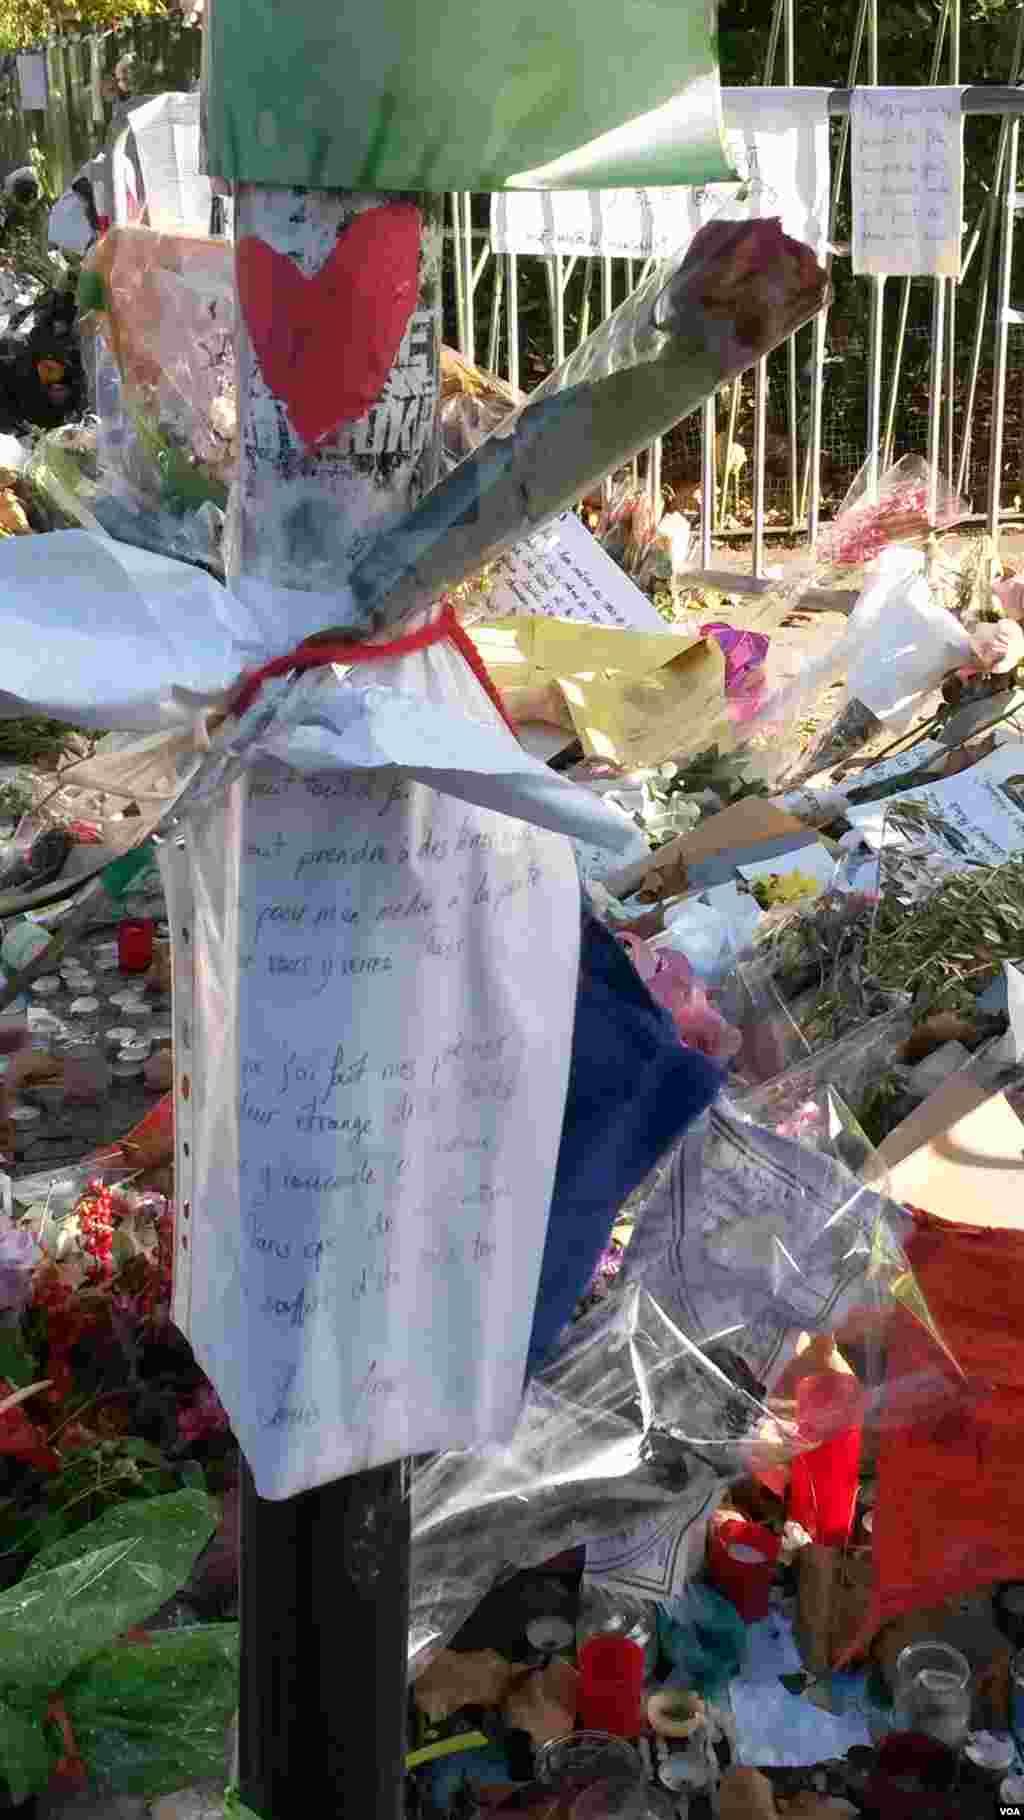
[[738, 291], [743, 1241], [899, 641], [750, 1237], [594, 1453], [157, 324]]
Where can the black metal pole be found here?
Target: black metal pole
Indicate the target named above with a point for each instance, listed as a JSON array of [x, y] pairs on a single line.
[[325, 1575], [325, 1621]]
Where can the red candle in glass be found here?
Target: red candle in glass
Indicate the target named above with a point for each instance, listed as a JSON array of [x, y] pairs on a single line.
[[823, 1483], [135, 947], [611, 1684], [744, 1579]]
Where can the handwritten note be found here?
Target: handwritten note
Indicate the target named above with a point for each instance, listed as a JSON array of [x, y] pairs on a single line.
[[908, 181], [375, 1154], [564, 573]]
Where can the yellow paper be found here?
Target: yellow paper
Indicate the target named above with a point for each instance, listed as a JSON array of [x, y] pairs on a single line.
[[637, 698]]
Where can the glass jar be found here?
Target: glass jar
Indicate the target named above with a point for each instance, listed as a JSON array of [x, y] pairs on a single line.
[[26, 1122], [933, 1693], [588, 1757]]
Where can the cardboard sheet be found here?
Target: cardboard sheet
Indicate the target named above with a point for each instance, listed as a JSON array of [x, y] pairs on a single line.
[[742, 824], [960, 1156]]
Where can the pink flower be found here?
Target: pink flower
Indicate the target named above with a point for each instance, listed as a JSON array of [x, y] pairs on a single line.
[[802, 1121], [671, 982]]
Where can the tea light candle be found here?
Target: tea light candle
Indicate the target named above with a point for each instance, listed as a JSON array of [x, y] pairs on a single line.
[[84, 1007]]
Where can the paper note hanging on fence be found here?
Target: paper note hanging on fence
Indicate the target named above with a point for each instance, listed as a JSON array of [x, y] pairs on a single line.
[[166, 134], [32, 83], [564, 573], [467, 96], [779, 136], [907, 173], [380, 1054], [637, 698]]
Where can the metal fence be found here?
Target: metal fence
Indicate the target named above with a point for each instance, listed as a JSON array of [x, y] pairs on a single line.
[[950, 387], [77, 117]]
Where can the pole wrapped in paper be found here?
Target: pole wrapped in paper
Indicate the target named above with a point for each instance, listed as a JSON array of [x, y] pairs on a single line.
[[740, 290]]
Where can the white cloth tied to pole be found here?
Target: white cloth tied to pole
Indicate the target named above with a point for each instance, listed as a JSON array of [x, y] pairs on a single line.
[[375, 945]]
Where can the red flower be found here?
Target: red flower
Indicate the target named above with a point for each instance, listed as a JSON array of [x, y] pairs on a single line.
[[21, 1440]]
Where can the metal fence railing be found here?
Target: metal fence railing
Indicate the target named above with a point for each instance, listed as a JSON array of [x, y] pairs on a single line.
[[930, 368]]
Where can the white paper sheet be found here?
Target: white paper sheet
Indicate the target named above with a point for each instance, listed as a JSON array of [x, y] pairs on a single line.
[[385, 1054], [779, 135], [907, 172], [564, 573], [32, 81], [166, 133], [984, 808]]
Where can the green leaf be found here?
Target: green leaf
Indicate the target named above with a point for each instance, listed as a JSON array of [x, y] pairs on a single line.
[[16, 1362], [88, 1589], [25, 1760], [152, 1717]]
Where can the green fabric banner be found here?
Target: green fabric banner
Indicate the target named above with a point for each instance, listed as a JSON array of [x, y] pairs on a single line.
[[473, 95]]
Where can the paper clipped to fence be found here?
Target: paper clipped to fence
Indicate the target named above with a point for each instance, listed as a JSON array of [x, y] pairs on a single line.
[[778, 136], [907, 174]]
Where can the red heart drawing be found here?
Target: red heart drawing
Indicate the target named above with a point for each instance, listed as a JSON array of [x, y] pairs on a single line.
[[326, 344]]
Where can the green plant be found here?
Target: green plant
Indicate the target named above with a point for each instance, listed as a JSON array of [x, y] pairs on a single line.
[[34, 740], [15, 801]]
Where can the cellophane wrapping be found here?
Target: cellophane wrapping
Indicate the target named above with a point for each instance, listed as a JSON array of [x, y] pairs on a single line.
[[156, 466]]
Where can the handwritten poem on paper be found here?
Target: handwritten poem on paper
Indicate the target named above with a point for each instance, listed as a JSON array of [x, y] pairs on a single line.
[[907, 177], [402, 1054]]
